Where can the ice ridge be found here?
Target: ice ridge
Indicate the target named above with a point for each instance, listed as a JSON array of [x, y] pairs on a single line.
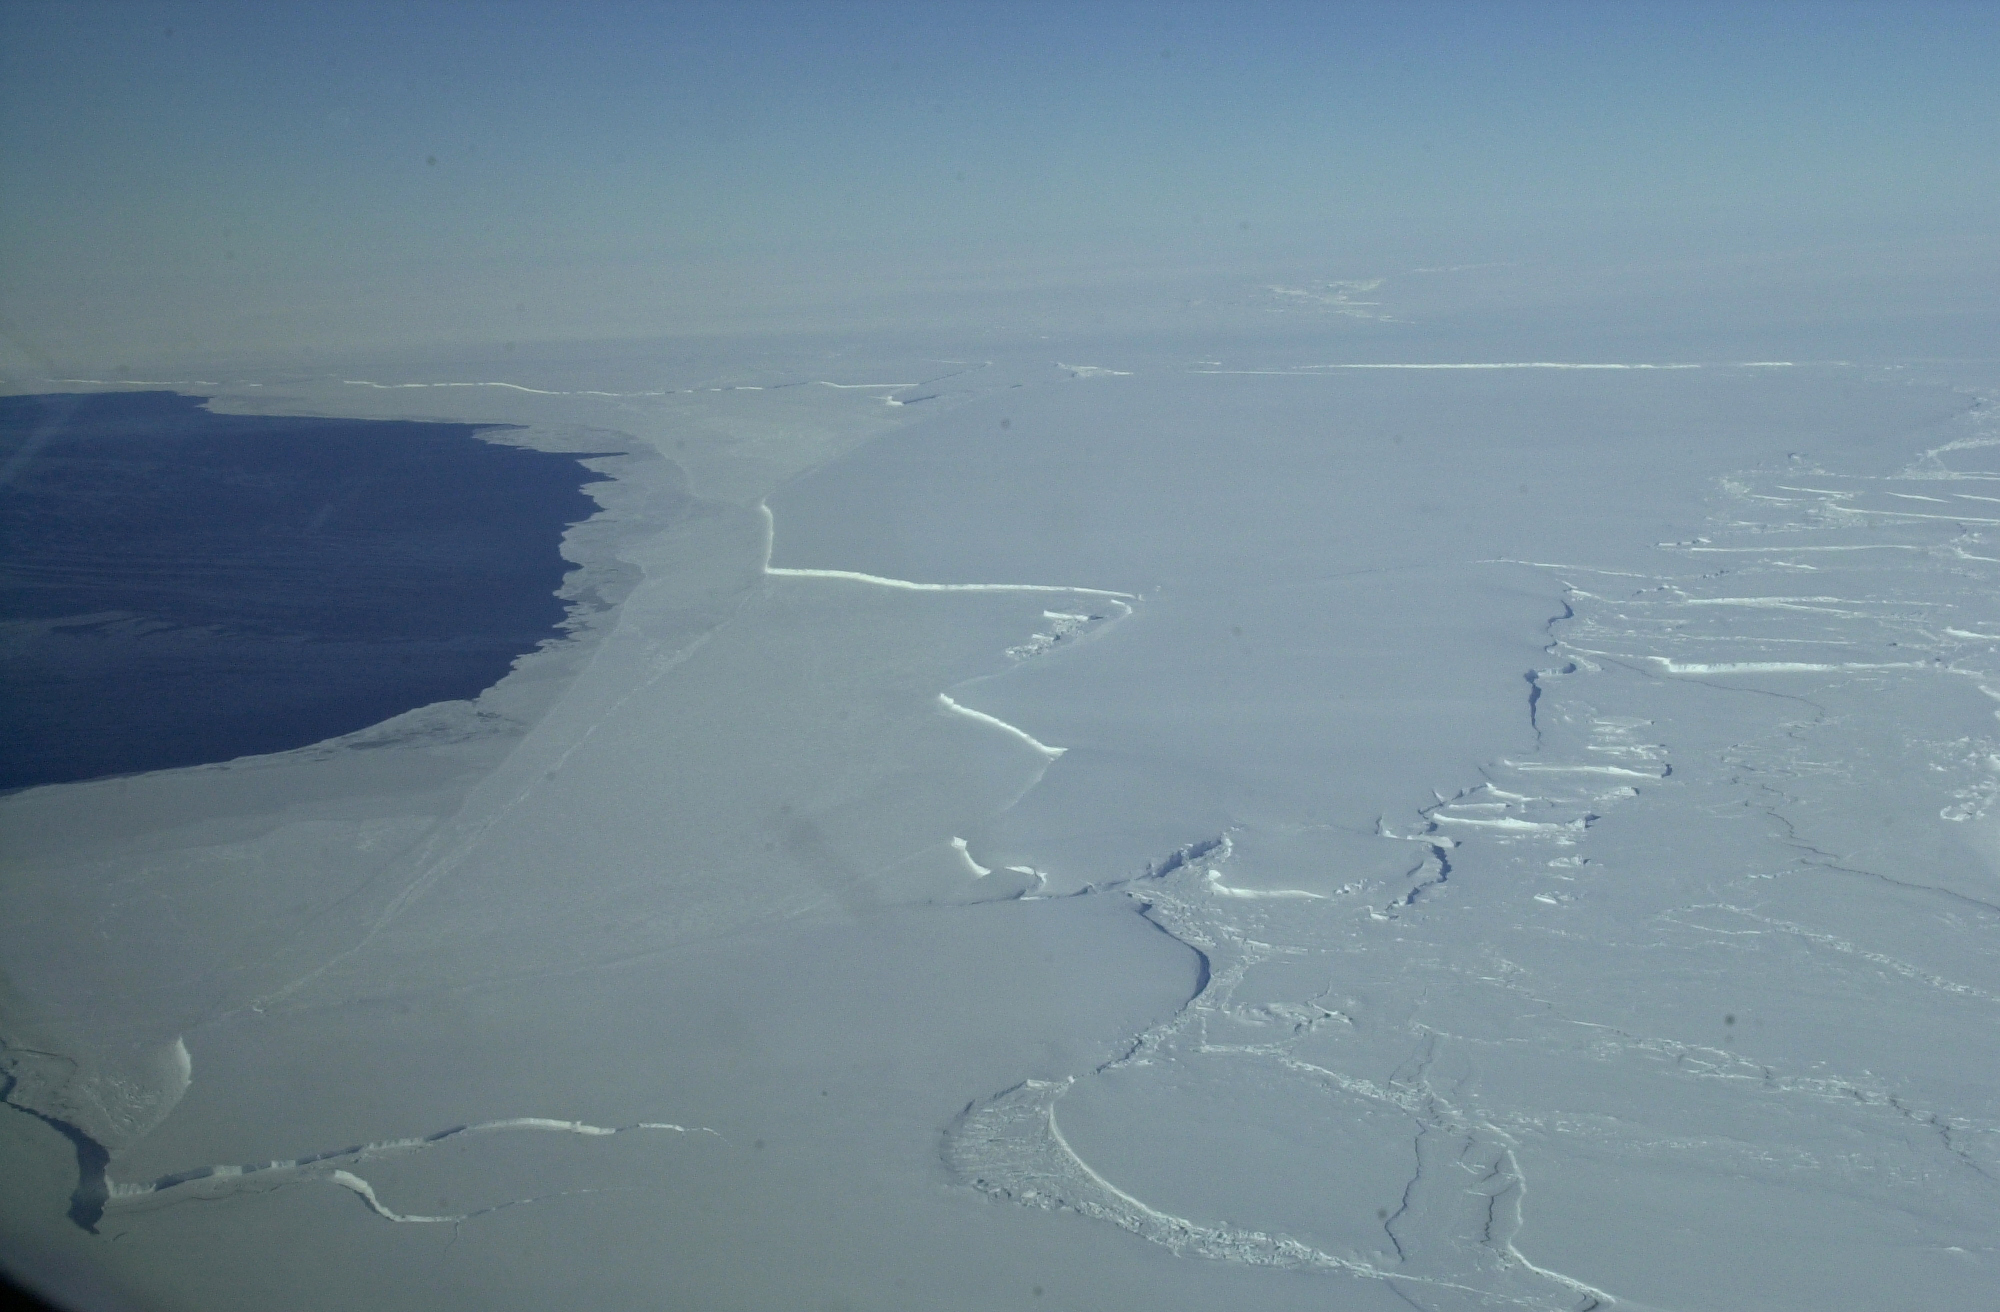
[[1011, 1146], [331, 1166]]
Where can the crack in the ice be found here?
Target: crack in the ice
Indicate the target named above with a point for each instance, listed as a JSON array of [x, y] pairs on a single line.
[[1534, 677], [87, 1200], [1833, 860], [210, 1182], [1409, 1192], [1696, 1061]]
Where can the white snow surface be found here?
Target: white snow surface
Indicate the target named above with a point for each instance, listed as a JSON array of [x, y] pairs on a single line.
[[1448, 835]]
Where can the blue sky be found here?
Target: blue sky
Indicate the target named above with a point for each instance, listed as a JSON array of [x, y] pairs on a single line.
[[244, 160]]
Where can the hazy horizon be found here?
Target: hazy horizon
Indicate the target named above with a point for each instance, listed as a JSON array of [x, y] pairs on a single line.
[[203, 181]]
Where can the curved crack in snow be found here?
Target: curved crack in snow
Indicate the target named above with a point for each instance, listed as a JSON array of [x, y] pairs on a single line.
[[1011, 1146]]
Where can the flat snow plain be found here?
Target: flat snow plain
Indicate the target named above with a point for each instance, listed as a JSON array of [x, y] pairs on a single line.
[[1121, 830]]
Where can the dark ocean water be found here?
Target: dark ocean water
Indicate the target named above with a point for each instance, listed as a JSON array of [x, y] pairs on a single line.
[[179, 587]]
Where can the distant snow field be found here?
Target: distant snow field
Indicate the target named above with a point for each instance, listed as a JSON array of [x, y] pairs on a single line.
[[1160, 833]]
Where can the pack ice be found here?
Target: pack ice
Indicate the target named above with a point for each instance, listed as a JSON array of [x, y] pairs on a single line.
[[1187, 829]]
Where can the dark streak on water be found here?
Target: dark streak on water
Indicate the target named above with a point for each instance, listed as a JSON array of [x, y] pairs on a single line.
[[178, 587]]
